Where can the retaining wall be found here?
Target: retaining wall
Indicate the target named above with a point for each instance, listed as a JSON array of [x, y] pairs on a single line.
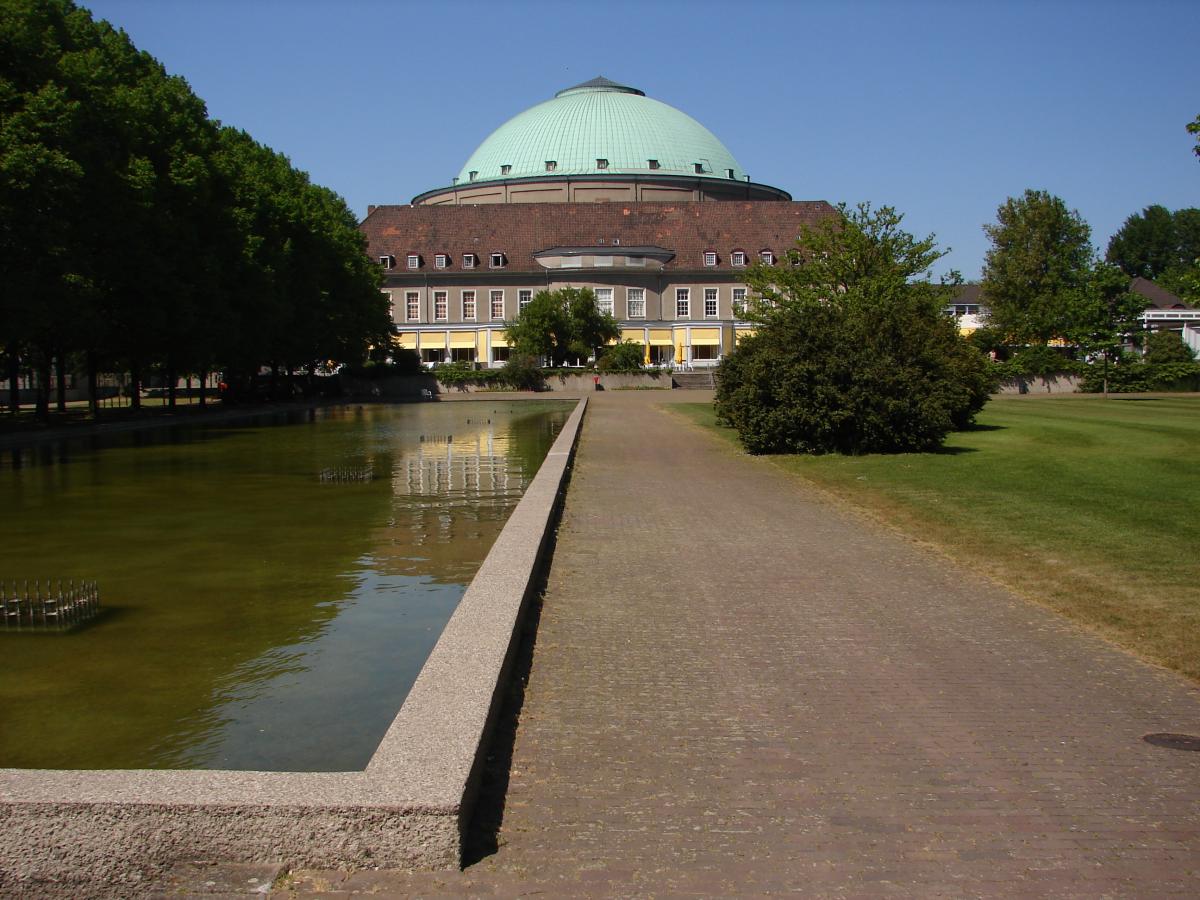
[[113, 829]]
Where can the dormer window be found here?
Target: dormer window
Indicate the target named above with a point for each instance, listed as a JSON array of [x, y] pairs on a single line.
[[737, 258], [497, 261], [767, 257], [551, 165], [601, 163], [441, 260], [699, 167], [729, 173], [505, 169], [388, 262], [414, 260], [710, 257], [471, 175], [468, 260], [653, 163]]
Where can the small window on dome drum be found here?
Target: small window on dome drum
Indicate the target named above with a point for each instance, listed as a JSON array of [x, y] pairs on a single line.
[[729, 173], [601, 163], [699, 168], [471, 175], [551, 165], [653, 163], [504, 170]]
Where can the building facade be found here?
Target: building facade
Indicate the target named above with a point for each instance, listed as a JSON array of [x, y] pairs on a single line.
[[600, 187]]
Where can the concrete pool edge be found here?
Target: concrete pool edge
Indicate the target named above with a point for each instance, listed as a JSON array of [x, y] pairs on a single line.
[[408, 808]]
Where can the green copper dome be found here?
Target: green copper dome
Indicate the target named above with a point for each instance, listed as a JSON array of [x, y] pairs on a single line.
[[600, 127]]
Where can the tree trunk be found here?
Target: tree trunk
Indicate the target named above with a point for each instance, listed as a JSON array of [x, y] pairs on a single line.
[[135, 386], [60, 382], [203, 379], [43, 386], [93, 393], [171, 379], [14, 382]]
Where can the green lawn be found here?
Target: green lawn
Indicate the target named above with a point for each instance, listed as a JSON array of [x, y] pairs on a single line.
[[1087, 505]]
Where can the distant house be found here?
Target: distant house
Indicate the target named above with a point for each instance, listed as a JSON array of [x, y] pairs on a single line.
[[967, 308], [1166, 312]]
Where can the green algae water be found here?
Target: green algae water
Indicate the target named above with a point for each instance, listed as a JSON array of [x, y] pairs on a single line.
[[270, 588]]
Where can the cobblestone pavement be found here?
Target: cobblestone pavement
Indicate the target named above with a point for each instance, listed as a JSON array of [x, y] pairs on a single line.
[[738, 689]]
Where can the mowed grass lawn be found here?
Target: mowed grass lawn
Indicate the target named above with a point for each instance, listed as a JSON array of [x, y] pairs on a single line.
[[1087, 505]]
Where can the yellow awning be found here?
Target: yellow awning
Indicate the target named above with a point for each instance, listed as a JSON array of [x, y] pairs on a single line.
[[462, 339], [637, 335], [498, 339], [660, 337], [706, 337], [742, 332], [433, 340], [407, 340]]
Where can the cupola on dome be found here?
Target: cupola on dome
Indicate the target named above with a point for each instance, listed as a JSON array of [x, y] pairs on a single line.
[[600, 127]]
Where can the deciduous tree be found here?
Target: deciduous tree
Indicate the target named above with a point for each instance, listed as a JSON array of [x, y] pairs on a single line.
[[1038, 264]]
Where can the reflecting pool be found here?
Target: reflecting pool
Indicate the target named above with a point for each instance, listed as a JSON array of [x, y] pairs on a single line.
[[256, 615]]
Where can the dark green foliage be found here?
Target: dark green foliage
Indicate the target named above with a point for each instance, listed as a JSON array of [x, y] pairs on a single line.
[[1193, 127], [1131, 375], [1039, 262], [561, 325], [1160, 245], [522, 373], [1167, 347], [851, 355], [136, 233], [626, 356]]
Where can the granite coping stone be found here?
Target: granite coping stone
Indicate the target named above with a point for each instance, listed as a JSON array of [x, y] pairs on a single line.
[[407, 808]]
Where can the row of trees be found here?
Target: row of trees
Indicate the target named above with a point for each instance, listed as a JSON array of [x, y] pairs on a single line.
[[135, 232], [1043, 282]]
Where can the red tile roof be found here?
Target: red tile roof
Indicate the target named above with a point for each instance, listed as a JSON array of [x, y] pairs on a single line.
[[521, 229]]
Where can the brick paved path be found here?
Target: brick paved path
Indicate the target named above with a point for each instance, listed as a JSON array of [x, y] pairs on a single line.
[[738, 689]]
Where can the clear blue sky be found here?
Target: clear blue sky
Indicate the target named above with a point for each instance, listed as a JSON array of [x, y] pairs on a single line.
[[941, 109]]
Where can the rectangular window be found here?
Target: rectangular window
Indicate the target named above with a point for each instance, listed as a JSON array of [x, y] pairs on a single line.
[[387, 261], [412, 306], [635, 299], [441, 304], [683, 303], [497, 260], [602, 164], [737, 258], [441, 260], [497, 304], [767, 257], [637, 261], [468, 306], [603, 262], [524, 298], [468, 260], [710, 258], [604, 300], [414, 261], [739, 302], [710, 303]]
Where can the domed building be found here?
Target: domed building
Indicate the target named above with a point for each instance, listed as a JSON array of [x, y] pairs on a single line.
[[599, 187]]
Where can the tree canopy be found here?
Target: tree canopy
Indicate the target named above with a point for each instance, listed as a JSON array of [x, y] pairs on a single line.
[[561, 325], [1038, 263], [136, 232], [853, 352], [1194, 128], [1160, 245]]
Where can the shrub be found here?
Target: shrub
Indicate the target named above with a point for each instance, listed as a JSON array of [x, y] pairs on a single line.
[[852, 355], [1167, 347], [522, 373], [624, 357]]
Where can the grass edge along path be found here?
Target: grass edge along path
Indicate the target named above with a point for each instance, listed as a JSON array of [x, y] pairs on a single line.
[[1084, 505]]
